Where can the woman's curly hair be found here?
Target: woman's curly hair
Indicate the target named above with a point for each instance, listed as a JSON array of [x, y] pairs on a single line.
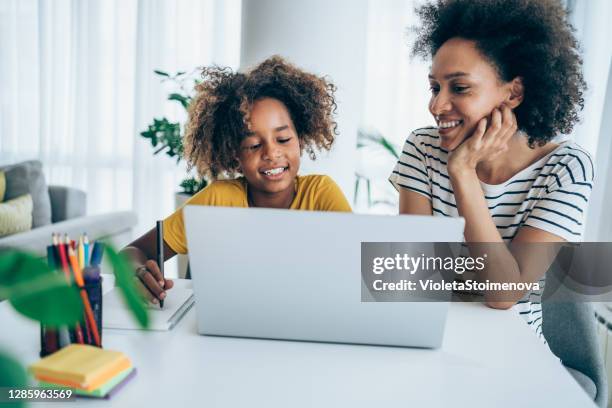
[[219, 113], [531, 39]]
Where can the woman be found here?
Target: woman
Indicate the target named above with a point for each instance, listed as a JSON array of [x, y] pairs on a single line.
[[505, 81]]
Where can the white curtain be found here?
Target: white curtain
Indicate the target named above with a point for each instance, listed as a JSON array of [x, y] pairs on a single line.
[[78, 87], [592, 21]]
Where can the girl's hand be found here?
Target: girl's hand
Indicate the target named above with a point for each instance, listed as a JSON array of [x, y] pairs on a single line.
[[153, 286], [486, 143]]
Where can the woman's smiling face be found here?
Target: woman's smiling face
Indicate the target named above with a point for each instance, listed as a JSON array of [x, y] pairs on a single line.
[[465, 88]]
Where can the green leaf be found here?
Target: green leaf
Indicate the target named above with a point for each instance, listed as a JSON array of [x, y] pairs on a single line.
[[179, 98], [366, 139], [36, 291], [18, 266], [124, 279], [161, 73], [12, 375], [48, 299], [389, 147], [8, 261]]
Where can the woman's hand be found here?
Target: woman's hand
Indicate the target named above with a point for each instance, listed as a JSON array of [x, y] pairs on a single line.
[[486, 143]]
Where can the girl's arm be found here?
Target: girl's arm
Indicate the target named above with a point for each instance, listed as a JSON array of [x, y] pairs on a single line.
[[143, 254]]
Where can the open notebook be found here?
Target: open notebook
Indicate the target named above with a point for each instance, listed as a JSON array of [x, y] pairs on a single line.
[[115, 314]]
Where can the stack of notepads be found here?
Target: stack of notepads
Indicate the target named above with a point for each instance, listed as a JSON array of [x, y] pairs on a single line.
[[90, 371]]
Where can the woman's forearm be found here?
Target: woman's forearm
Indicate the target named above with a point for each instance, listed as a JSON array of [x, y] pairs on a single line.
[[472, 206], [482, 236]]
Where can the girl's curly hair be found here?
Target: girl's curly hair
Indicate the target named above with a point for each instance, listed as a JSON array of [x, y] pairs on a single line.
[[531, 39], [219, 113]]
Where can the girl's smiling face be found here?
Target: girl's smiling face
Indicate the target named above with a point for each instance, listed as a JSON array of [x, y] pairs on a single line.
[[269, 155], [465, 87]]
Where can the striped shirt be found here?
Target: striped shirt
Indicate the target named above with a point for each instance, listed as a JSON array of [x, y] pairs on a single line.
[[551, 194]]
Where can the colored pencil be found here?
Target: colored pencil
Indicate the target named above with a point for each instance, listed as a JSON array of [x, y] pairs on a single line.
[[78, 277], [96, 253], [64, 246], [57, 242], [86, 249], [81, 253]]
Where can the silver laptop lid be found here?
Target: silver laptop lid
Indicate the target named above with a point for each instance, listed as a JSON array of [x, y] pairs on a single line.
[[296, 275]]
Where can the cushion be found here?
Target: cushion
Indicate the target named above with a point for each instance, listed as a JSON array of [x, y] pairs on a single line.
[[16, 215], [2, 185], [27, 178]]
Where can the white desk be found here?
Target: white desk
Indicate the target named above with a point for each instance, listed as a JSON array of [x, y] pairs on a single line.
[[489, 358]]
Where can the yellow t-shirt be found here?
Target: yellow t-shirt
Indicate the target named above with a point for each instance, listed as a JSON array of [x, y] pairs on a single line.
[[314, 193]]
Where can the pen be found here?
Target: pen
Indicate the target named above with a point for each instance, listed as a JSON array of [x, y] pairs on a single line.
[[160, 253]]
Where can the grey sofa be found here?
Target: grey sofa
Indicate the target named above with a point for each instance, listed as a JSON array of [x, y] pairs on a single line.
[[68, 216]]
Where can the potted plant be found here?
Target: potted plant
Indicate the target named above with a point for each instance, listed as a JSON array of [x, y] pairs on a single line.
[[376, 155], [167, 136]]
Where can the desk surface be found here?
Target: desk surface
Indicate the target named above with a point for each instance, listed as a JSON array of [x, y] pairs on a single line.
[[489, 358]]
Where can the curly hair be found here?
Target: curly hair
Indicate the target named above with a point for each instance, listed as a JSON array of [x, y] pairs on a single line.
[[530, 39], [219, 113]]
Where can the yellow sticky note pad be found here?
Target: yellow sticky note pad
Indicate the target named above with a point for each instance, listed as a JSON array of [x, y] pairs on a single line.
[[80, 366]]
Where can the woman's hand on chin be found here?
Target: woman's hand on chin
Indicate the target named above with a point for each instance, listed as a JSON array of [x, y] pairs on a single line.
[[486, 143]]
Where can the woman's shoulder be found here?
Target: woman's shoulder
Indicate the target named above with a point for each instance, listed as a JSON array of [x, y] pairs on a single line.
[[572, 162], [425, 138], [426, 142]]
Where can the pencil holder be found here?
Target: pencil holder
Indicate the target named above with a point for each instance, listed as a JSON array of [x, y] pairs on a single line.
[[54, 338]]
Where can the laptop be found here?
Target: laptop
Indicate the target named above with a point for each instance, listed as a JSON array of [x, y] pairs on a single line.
[[296, 275]]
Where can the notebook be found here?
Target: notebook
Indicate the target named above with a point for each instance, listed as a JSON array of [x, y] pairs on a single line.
[[80, 366], [115, 314]]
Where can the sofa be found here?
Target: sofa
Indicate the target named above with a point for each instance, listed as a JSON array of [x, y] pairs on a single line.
[[59, 209]]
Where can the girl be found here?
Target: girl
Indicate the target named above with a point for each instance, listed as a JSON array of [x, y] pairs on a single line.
[[251, 129], [505, 81]]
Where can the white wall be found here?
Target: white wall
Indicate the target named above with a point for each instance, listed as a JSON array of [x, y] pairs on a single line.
[[599, 222], [324, 37], [592, 21]]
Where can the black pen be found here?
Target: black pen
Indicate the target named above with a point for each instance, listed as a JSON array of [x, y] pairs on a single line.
[[160, 253]]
